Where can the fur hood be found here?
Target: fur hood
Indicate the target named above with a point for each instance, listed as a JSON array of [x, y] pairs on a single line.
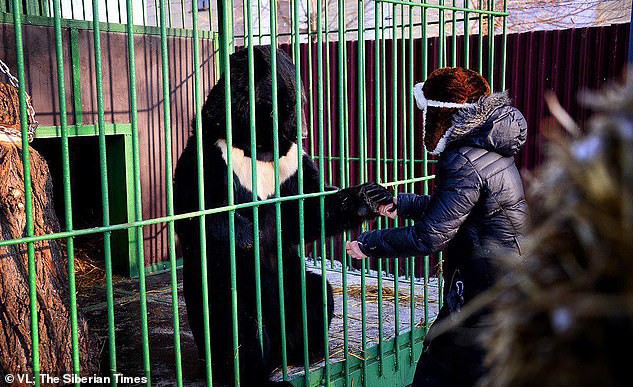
[[491, 124]]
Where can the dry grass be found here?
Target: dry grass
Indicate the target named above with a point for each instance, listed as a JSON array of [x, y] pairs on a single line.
[[388, 294], [564, 315]]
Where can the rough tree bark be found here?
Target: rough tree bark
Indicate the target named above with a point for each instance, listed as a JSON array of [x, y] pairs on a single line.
[[55, 346]]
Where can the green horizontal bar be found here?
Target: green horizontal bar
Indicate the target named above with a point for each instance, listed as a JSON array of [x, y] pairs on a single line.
[[445, 7], [124, 226], [106, 27], [389, 160], [188, 215], [407, 181], [83, 130], [335, 32]]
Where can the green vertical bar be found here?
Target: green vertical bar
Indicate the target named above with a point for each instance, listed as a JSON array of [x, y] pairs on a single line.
[[138, 203], [504, 49], [30, 8], [105, 199], [383, 137], [275, 117], [491, 44], [169, 181], [362, 168], [302, 248], [466, 36], [76, 67], [227, 38], [425, 163], [454, 38], [328, 104], [378, 17], [481, 38], [224, 59], [68, 209], [226, 43], [45, 9], [255, 197], [395, 171], [403, 104], [403, 93], [311, 94], [442, 37], [411, 175], [343, 168], [28, 194], [320, 123]]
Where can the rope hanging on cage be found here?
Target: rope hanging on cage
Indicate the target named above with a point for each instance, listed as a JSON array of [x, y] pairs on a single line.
[[10, 108]]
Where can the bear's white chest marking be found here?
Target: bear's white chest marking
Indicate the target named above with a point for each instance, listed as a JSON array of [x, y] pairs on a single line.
[[242, 168]]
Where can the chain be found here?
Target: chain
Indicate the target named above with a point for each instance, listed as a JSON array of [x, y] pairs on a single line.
[[33, 124]]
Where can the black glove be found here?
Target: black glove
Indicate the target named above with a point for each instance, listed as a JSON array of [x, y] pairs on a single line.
[[372, 196]]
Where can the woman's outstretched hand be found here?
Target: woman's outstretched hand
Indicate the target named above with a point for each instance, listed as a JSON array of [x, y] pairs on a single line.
[[354, 251]]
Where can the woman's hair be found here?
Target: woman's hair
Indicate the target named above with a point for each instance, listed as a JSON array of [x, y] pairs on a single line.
[[450, 84]]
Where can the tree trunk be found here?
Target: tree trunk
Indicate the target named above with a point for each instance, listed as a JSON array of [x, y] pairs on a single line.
[[55, 348]]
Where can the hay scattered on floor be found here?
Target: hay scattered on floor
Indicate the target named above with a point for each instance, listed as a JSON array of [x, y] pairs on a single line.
[[388, 294]]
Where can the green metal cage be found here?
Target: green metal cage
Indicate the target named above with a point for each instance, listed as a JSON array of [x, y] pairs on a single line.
[[358, 75]]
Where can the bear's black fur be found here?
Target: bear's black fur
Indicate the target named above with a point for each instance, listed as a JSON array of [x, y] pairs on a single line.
[[344, 209]]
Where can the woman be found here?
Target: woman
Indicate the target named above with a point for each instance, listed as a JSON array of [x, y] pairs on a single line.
[[478, 207]]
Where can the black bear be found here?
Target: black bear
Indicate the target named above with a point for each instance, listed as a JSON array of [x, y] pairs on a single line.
[[344, 209]]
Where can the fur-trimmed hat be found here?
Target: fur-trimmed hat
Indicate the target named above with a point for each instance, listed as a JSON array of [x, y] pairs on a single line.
[[445, 92]]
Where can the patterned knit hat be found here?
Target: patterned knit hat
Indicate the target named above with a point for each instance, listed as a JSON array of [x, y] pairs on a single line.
[[445, 92]]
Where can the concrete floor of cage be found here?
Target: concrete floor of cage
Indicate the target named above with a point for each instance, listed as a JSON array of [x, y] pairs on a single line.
[[161, 330]]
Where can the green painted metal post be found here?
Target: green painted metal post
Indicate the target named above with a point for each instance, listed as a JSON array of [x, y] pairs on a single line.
[[275, 120], [379, 53], [343, 171], [466, 36], [491, 45], [226, 47], [28, 194], [224, 65], [68, 210], [255, 197], [481, 39], [321, 146], [169, 181], [105, 198], [504, 49], [302, 247], [138, 203], [411, 166]]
